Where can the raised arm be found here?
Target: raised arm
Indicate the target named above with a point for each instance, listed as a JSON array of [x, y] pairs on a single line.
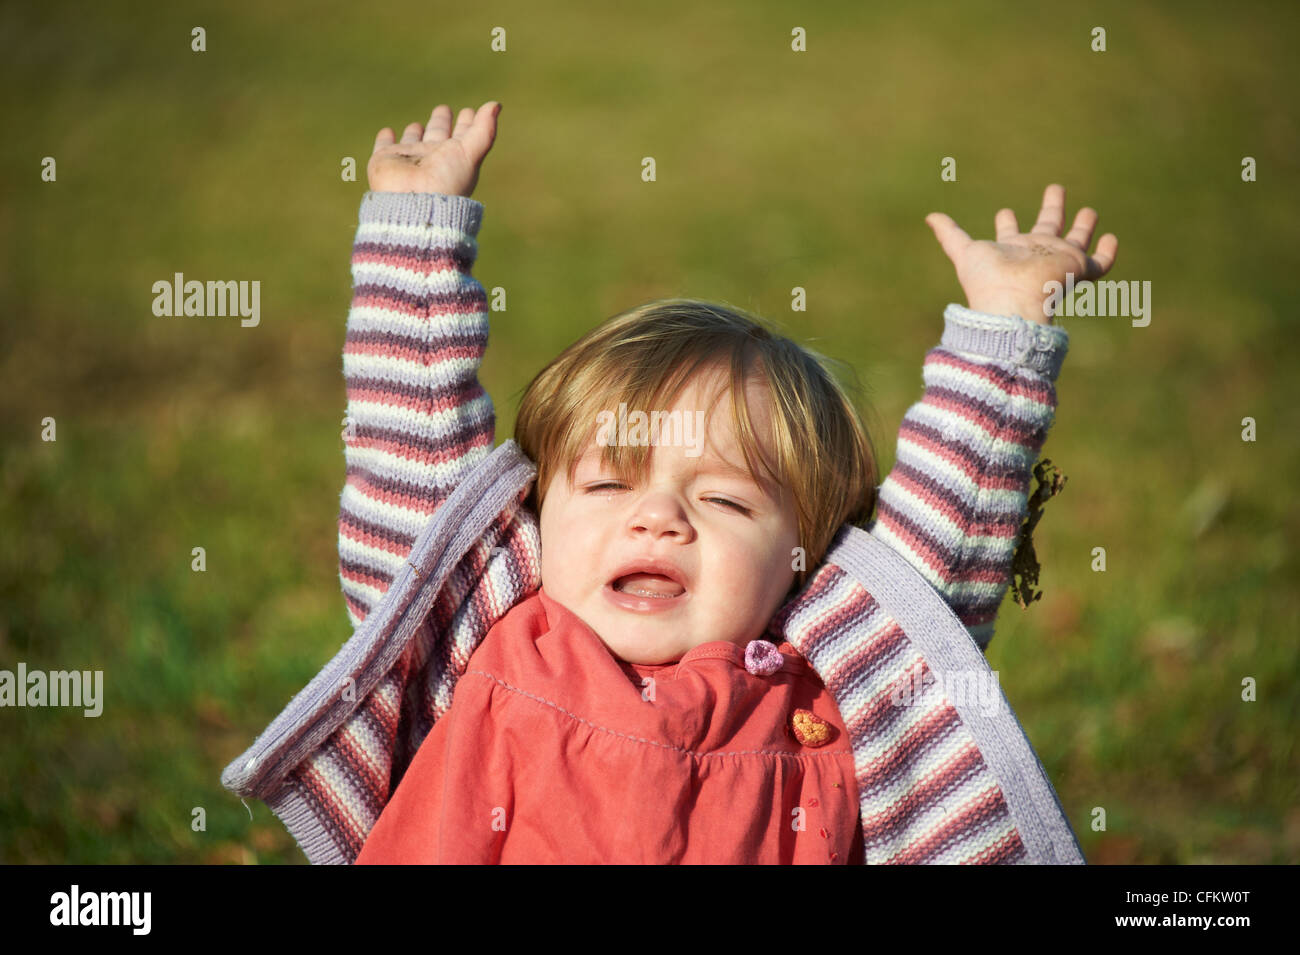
[[954, 502], [417, 418], [958, 492]]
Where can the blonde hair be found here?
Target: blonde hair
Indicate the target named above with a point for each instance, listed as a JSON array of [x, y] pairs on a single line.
[[647, 355]]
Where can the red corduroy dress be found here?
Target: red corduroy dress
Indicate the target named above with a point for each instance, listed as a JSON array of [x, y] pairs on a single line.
[[554, 751]]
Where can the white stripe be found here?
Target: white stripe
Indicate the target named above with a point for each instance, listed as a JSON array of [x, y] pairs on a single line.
[[361, 737], [398, 520], [412, 371], [953, 478], [380, 563], [375, 318], [957, 591], [936, 526], [971, 436], [971, 384], [418, 234], [401, 277], [453, 423], [439, 475]]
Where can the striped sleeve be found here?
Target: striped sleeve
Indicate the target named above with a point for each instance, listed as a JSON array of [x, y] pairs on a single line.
[[417, 418], [959, 490]]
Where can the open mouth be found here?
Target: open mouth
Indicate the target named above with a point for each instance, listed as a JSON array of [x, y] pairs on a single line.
[[655, 586]]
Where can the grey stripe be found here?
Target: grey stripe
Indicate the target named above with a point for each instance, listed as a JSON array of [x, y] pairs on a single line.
[[1009, 338], [299, 817], [949, 650], [424, 208]]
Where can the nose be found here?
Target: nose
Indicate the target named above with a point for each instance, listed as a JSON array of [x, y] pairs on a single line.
[[660, 514]]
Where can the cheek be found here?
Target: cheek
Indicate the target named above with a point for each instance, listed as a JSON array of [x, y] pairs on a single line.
[[745, 560], [776, 557], [565, 538]]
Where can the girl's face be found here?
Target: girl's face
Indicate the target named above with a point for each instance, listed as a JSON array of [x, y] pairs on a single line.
[[730, 538]]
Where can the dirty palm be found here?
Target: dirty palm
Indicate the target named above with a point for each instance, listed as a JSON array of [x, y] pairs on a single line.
[[606, 653]]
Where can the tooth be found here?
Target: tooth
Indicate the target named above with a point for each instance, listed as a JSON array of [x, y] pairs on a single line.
[[647, 593]]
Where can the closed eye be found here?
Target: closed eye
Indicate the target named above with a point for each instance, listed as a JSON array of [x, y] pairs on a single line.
[[721, 500]]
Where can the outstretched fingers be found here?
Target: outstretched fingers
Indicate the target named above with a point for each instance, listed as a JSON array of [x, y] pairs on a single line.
[[1005, 225], [951, 236], [464, 122], [385, 138], [1051, 217], [1081, 232], [1099, 262], [478, 128], [439, 127]]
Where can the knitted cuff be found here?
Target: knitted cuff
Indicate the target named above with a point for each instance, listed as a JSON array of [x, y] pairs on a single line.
[[423, 208], [1008, 338]]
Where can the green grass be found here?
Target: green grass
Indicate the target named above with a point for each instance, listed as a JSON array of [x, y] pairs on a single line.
[[775, 170]]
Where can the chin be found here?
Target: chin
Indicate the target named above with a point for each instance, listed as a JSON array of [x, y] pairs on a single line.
[[645, 657]]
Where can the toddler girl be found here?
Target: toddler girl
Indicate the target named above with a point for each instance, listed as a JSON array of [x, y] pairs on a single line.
[[632, 708]]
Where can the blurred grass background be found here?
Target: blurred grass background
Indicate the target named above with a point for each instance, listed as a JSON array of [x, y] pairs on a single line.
[[775, 169]]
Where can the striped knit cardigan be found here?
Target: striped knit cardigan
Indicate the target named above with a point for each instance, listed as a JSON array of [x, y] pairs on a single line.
[[436, 543]]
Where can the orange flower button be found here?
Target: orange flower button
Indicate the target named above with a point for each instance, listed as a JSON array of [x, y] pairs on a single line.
[[810, 729]]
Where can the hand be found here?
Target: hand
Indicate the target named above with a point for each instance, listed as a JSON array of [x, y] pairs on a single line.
[[1006, 277], [436, 158]]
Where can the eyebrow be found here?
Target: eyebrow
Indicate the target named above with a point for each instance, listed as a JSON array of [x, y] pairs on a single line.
[[725, 467]]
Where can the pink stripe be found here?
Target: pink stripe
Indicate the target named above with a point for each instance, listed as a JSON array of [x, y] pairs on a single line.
[[376, 580], [393, 399], [445, 453], [922, 796], [412, 258], [424, 500], [862, 719], [1006, 850], [418, 354], [924, 736], [996, 378], [473, 303], [976, 815]]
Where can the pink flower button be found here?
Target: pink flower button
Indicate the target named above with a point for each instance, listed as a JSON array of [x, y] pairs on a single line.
[[762, 658]]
